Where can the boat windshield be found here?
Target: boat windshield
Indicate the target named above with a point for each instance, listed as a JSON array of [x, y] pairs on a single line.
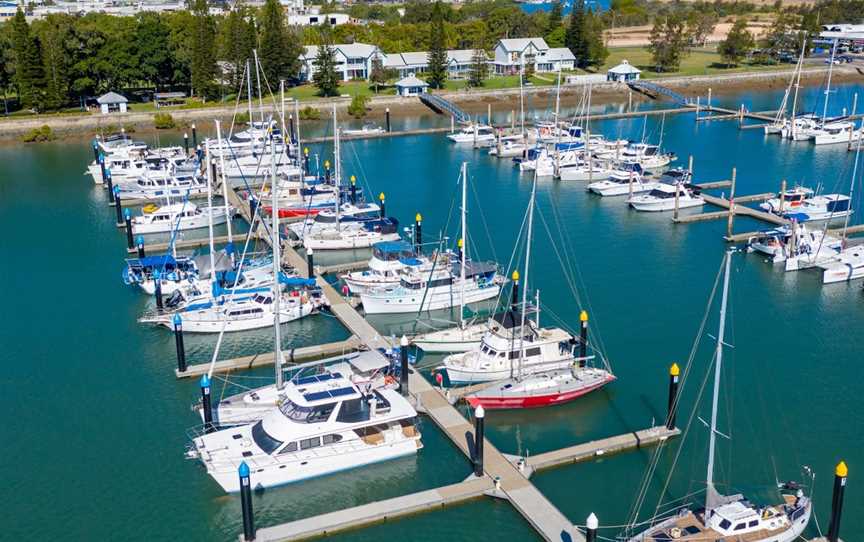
[[263, 440], [303, 414]]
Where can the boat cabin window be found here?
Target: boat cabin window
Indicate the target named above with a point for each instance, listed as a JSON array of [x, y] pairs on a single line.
[[740, 526], [353, 410], [310, 443], [753, 523], [331, 439], [263, 299], [263, 440], [725, 524], [288, 448], [411, 285], [303, 414], [440, 282]]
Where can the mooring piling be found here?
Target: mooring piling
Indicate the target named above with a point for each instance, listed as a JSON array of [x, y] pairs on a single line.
[[591, 525], [583, 338], [672, 407], [178, 343], [130, 240], [403, 366], [140, 244], [246, 503], [840, 475], [479, 437], [205, 403]]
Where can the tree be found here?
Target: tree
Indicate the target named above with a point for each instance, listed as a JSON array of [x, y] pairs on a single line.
[[737, 43], [700, 25], [437, 49], [203, 61], [357, 107], [575, 39], [155, 62], [28, 78], [276, 61], [5, 68], [53, 33], [326, 78], [479, 67], [556, 17], [378, 75], [668, 41], [597, 51], [238, 41]]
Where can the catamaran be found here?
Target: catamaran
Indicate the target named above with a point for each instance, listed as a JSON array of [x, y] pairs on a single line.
[[727, 517]]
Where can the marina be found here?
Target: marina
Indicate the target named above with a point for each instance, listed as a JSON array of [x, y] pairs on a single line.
[[582, 439]]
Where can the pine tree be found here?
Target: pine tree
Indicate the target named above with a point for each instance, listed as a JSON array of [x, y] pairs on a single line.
[[275, 63], [28, 77], [203, 62], [437, 49], [55, 60], [238, 41], [575, 39], [597, 51], [668, 41], [479, 66], [326, 78], [556, 17]]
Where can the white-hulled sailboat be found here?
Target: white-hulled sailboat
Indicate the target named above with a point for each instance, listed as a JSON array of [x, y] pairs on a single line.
[[728, 517]]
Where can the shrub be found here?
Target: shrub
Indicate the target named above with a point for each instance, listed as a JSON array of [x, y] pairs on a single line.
[[241, 118], [129, 128], [163, 121], [357, 108], [39, 134], [309, 113]]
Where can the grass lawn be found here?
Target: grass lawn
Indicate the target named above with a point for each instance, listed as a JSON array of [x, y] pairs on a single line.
[[349, 88], [699, 62], [504, 81]]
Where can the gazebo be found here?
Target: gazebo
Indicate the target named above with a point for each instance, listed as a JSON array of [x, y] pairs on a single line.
[[411, 86], [623, 72], [112, 102]]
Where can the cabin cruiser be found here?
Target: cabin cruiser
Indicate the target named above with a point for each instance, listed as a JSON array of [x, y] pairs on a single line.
[[800, 128], [253, 170], [319, 425], [648, 156], [847, 265], [789, 199], [126, 167], [360, 234], [662, 198], [582, 171], [367, 129], [297, 199], [178, 217], [388, 259], [822, 207], [326, 219], [257, 139], [440, 287], [792, 241], [174, 272], [509, 146], [459, 338], [626, 179], [474, 133], [835, 132], [180, 185]]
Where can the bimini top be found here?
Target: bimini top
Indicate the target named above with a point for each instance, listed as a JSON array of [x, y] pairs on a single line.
[[392, 250], [165, 260]]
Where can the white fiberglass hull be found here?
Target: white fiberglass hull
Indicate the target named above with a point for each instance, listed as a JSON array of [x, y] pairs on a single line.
[[664, 204], [358, 283], [609, 189], [830, 139], [469, 138], [347, 240], [185, 223], [455, 339], [582, 174], [210, 321], [435, 298], [466, 375]]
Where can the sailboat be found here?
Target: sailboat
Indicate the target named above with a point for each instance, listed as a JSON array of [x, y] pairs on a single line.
[[543, 367], [729, 517], [434, 288], [780, 121]]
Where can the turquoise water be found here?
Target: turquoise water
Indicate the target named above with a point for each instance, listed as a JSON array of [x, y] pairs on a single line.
[[95, 421]]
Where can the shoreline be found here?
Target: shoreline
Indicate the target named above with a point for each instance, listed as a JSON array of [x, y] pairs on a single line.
[[472, 101]]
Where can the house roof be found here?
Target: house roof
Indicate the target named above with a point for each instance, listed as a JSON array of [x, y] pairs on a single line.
[[348, 50], [462, 56], [624, 68], [411, 81], [404, 60], [559, 54], [519, 44], [112, 98]]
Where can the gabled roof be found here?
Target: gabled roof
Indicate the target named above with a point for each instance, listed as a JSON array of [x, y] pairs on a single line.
[[519, 44], [411, 81], [624, 68], [348, 50], [557, 54], [462, 56], [403, 60], [112, 98]]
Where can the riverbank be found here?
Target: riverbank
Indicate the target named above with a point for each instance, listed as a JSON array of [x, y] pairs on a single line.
[[474, 101]]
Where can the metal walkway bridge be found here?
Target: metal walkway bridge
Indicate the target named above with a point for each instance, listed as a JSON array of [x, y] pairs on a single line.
[[647, 87], [442, 106]]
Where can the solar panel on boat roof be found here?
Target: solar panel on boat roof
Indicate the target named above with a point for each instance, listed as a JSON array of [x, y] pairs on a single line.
[[317, 378], [328, 394]]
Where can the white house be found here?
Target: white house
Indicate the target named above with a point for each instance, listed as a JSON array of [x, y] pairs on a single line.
[[353, 60], [112, 103], [309, 19], [512, 54], [459, 62], [411, 86], [623, 72]]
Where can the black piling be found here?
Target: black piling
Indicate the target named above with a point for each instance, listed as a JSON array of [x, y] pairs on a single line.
[[418, 233], [514, 299], [157, 281], [840, 474], [310, 264], [327, 171], [110, 185], [672, 407], [205, 404], [140, 244], [479, 437], [591, 526], [387, 120], [459, 245], [381, 199], [186, 143], [95, 150], [178, 342], [291, 129], [353, 190], [583, 338], [194, 137], [118, 206], [246, 503], [306, 160], [130, 240], [102, 167], [403, 367]]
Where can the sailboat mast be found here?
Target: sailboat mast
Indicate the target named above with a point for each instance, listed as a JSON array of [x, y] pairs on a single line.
[[797, 86], [828, 84], [525, 272], [557, 127], [297, 128], [337, 167], [210, 215], [224, 183], [711, 495], [464, 244], [277, 259], [854, 177], [522, 102], [258, 84], [249, 88]]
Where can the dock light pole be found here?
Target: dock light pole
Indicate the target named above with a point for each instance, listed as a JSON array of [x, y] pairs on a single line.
[[130, 240], [194, 137], [157, 281], [840, 474], [140, 244], [118, 206], [186, 142], [353, 190], [418, 232], [591, 525], [479, 430], [205, 403], [110, 184], [246, 503], [387, 120], [310, 266], [672, 407], [381, 199], [178, 342], [403, 367], [583, 338]]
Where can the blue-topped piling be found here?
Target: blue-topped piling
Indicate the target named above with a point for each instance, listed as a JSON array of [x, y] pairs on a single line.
[[102, 167], [130, 240], [246, 502], [205, 404], [118, 206], [178, 342], [95, 150], [110, 185]]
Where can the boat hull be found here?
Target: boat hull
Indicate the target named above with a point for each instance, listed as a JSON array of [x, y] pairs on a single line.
[[384, 304], [534, 401]]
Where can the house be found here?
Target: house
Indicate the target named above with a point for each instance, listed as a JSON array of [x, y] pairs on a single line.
[[623, 72], [8, 10], [411, 86], [459, 62], [353, 60], [112, 103], [309, 19], [511, 55]]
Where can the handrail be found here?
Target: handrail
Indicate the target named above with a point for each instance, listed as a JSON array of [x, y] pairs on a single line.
[[439, 104], [659, 89]]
